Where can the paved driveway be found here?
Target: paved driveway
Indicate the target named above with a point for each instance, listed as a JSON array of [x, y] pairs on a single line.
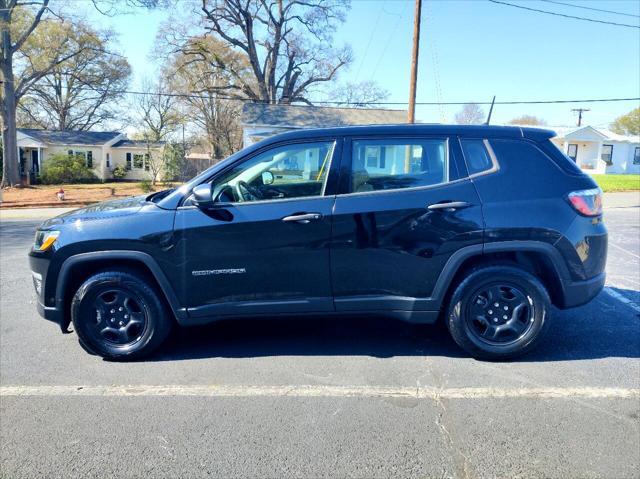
[[319, 397]]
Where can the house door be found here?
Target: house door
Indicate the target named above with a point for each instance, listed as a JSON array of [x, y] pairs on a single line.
[[572, 151], [35, 162]]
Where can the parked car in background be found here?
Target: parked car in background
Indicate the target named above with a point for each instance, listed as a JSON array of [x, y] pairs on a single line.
[[482, 227]]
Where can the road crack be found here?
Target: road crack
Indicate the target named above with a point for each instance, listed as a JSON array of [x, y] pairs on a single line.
[[461, 462]]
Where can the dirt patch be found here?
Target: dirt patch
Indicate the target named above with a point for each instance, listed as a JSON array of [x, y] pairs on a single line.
[[75, 195]]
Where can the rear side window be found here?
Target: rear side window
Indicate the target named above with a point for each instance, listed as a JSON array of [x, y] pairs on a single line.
[[476, 156], [527, 155], [395, 164], [560, 158]]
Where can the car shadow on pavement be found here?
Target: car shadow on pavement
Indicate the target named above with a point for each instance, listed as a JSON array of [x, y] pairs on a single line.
[[604, 328]]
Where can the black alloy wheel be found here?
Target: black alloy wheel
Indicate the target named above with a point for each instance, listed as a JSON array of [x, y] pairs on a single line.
[[499, 313], [120, 316]]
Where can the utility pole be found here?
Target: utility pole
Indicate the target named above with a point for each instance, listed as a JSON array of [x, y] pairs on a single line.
[[411, 117], [414, 63], [580, 111]]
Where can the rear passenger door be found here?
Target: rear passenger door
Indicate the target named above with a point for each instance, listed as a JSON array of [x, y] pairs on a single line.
[[404, 206]]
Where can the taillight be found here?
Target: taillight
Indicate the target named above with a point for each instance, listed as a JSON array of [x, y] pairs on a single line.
[[587, 202]]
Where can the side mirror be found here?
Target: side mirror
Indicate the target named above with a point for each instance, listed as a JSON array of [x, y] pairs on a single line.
[[203, 196], [267, 178]]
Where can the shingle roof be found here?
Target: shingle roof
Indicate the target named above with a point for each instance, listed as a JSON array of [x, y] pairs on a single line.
[[137, 144], [317, 117], [70, 137]]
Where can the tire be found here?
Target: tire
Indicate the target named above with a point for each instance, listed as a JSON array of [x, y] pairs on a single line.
[[501, 332], [119, 316]]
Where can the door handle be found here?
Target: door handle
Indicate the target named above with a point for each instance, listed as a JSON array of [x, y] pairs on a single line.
[[302, 218], [449, 205]]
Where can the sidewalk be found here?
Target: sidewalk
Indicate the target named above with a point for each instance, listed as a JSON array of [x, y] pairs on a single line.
[[7, 214], [625, 199]]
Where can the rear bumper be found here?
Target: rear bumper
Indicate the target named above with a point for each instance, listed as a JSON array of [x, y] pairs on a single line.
[[577, 293]]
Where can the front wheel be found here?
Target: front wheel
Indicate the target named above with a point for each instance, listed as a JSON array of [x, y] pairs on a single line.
[[498, 312], [118, 315]]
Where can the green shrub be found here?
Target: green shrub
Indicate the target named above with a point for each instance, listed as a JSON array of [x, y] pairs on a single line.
[[119, 172], [62, 169], [146, 186]]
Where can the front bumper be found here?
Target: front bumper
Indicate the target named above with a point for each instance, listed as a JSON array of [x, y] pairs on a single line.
[[49, 310], [50, 313], [577, 293]]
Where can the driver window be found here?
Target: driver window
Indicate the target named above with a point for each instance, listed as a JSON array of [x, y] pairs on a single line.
[[291, 171]]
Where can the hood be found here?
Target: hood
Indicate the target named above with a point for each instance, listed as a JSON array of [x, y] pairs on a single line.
[[100, 211]]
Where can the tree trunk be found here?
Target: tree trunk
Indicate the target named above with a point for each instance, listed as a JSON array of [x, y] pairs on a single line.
[[10, 165]]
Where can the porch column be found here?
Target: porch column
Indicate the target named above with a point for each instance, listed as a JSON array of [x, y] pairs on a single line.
[[600, 165]]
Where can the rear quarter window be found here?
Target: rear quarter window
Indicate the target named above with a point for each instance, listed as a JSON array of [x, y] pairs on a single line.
[[560, 159], [524, 154], [476, 156]]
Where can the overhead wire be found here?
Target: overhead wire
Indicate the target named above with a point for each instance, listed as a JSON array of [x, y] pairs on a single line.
[[591, 8], [574, 17]]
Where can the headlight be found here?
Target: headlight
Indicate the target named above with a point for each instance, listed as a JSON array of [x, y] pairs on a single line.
[[45, 239]]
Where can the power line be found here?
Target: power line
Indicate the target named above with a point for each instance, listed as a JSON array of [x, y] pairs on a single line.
[[591, 8], [564, 15], [373, 32], [327, 102]]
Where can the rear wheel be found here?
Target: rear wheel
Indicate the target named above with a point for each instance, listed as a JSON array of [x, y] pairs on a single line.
[[498, 312], [118, 315]]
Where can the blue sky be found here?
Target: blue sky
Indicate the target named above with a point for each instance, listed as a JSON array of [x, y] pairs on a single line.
[[469, 51]]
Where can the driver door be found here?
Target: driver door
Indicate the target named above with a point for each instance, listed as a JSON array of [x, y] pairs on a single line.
[[265, 247]]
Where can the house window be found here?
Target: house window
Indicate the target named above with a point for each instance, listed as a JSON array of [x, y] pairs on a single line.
[[138, 161], [128, 161], [87, 156], [572, 151], [146, 161], [108, 160], [607, 154], [636, 156], [373, 154]]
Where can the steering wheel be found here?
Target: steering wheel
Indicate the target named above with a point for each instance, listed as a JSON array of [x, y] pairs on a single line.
[[246, 192]]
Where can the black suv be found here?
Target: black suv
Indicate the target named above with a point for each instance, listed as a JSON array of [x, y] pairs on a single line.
[[484, 226]]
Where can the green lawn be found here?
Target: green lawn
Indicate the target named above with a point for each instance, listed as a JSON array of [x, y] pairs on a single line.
[[610, 183]]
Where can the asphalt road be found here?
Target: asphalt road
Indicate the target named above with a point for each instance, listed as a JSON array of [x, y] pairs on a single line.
[[319, 397]]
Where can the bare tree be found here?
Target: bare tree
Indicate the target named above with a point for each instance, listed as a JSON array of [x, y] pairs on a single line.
[[14, 35], [159, 117], [359, 95], [287, 44], [83, 91], [527, 120], [115, 7], [197, 75], [471, 114]]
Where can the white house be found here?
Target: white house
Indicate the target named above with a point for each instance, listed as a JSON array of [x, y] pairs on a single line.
[[260, 120], [599, 151], [101, 150]]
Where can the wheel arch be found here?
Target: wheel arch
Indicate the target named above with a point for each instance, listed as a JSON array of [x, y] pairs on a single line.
[[542, 260], [77, 268]]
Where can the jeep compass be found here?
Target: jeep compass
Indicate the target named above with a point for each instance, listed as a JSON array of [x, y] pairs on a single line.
[[482, 227]]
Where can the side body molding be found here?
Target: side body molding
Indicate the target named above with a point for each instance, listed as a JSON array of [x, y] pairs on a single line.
[[146, 259]]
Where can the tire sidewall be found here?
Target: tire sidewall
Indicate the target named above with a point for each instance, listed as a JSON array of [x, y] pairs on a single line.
[[460, 329]]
